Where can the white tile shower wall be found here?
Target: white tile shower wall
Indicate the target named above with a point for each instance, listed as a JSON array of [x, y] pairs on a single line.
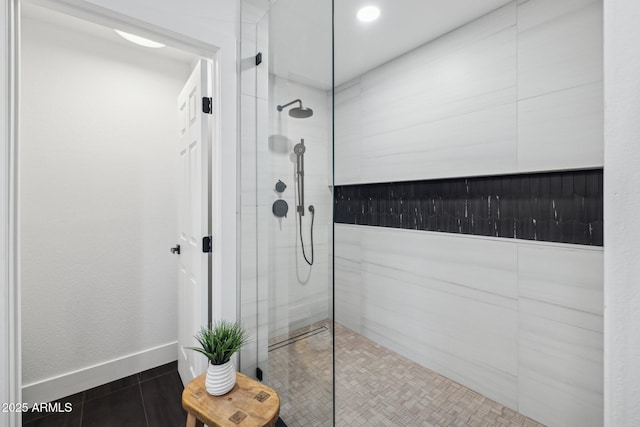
[[560, 334], [446, 108], [516, 321], [561, 130], [560, 91], [559, 45], [519, 89], [297, 293]]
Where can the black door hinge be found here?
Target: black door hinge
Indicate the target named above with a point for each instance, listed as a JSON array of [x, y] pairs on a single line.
[[259, 374], [259, 58], [206, 244], [206, 105]]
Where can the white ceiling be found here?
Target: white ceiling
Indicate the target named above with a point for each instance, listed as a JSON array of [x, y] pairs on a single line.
[[85, 28], [300, 34]]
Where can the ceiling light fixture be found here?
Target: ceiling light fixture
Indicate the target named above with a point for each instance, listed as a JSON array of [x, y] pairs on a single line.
[[139, 40], [368, 14]]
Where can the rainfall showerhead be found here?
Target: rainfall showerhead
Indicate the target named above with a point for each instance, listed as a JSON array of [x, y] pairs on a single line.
[[297, 112], [300, 112]]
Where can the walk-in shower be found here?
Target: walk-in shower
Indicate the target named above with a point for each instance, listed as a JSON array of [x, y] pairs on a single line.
[[442, 141]]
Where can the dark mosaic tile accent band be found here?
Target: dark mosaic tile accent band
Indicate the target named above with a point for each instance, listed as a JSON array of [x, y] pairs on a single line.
[[561, 207]]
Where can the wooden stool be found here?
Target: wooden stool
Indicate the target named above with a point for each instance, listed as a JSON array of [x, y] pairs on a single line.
[[249, 404]]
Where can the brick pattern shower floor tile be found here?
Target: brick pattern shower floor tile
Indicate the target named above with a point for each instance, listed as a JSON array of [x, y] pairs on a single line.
[[374, 387]]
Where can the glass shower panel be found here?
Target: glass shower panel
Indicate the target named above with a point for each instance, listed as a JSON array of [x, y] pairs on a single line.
[[287, 203]]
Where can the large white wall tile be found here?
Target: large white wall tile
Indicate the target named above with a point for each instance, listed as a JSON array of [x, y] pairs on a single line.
[[560, 109], [559, 45], [348, 277], [348, 133], [539, 12], [562, 129], [470, 144], [560, 337], [560, 372], [421, 255], [564, 276]]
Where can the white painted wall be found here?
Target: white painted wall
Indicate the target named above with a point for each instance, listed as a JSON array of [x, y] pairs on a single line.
[[98, 201], [621, 202], [205, 23], [517, 90]]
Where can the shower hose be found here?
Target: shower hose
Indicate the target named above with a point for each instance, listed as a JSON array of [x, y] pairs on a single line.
[[313, 214]]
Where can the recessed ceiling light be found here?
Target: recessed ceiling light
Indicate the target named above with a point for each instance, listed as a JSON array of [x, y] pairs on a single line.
[[368, 14], [139, 40]]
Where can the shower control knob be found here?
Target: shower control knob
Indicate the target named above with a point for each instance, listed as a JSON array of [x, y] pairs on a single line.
[[280, 208], [280, 186], [299, 149]]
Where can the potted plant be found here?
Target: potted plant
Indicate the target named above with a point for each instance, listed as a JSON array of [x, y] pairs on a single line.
[[218, 343]]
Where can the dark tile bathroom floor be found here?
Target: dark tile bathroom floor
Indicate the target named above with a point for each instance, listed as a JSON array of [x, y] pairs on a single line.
[[149, 399]]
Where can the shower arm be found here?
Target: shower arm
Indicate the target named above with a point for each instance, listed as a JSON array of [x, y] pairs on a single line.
[[282, 107]]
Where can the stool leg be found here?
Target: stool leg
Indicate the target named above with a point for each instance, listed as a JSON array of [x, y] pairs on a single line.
[[192, 421]]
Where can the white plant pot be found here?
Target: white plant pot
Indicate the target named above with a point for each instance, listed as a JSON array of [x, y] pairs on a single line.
[[220, 378]]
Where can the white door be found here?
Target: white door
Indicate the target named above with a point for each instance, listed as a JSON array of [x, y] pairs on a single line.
[[193, 276]]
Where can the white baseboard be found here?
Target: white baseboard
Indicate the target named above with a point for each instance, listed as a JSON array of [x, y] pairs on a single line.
[[92, 376]]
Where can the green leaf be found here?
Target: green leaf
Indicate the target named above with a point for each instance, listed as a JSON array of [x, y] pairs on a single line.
[[220, 341]]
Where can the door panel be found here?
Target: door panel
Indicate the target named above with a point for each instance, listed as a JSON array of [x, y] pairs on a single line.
[[193, 151]]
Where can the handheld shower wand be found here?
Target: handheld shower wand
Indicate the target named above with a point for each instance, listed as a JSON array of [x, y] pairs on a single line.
[[299, 150]]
